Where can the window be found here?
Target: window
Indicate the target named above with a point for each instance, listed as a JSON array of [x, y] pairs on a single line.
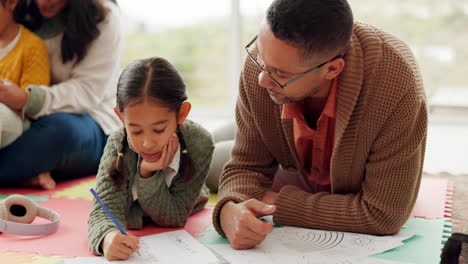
[[192, 35]]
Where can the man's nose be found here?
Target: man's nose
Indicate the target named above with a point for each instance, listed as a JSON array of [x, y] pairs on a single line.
[[265, 81]]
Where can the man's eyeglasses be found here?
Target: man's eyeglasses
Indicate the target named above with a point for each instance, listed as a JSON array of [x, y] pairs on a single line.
[[271, 76]]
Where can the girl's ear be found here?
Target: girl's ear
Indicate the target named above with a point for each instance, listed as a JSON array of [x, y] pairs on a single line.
[[183, 112], [118, 114], [11, 4]]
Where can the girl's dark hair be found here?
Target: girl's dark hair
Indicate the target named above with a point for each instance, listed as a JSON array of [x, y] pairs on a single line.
[[157, 80], [80, 19]]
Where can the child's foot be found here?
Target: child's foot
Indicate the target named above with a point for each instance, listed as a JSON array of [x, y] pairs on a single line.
[[46, 181], [42, 180]]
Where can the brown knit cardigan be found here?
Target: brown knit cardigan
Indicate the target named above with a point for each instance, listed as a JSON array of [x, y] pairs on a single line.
[[380, 138]]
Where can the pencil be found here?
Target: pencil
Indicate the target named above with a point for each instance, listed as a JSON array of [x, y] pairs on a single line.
[[108, 212]]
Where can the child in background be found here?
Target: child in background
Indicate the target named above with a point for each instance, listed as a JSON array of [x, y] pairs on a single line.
[[154, 169], [23, 61]]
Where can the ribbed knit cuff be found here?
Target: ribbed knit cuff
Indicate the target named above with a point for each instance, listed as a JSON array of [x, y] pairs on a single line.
[[217, 212], [37, 97], [287, 203], [96, 244]]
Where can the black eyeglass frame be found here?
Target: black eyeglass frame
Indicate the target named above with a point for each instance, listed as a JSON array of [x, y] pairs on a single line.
[[301, 75]]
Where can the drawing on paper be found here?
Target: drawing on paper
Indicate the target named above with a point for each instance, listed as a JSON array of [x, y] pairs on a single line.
[[181, 244], [148, 256], [310, 241], [363, 242]]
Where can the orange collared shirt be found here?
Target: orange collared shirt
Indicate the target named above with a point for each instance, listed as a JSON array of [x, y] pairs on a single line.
[[314, 147]]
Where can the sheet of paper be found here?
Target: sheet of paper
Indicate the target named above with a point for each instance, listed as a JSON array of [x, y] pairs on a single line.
[[300, 245], [360, 260], [170, 247]]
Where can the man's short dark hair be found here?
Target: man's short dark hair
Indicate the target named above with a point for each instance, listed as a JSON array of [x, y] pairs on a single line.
[[315, 26]]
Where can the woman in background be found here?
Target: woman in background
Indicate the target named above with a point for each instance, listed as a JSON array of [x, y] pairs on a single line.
[[74, 116]]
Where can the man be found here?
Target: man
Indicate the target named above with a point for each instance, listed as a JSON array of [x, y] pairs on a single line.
[[340, 108]]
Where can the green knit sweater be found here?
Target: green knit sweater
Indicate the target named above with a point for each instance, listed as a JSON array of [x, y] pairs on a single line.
[[166, 206]]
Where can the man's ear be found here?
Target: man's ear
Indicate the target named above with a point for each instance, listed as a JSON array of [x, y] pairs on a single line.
[[184, 110], [117, 112], [334, 68]]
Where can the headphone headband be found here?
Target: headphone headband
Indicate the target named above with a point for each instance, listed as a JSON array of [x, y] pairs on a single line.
[[18, 211]]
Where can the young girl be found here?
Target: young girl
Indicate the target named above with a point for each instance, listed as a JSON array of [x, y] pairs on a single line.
[[155, 168]]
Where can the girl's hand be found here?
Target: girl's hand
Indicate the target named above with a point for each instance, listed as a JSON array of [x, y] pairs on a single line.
[[117, 246], [12, 95], [147, 169]]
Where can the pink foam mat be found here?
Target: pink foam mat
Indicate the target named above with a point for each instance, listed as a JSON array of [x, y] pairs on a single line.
[[434, 199], [71, 238], [433, 202]]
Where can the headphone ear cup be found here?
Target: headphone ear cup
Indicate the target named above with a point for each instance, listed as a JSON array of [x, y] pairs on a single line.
[[3, 212], [20, 209]]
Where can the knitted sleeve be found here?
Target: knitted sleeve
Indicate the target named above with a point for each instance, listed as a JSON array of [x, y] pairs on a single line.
[[170, 206], [99, 223], [36, 66], [251, 167]]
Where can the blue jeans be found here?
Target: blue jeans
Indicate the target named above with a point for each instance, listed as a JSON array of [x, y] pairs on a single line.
[[67, 145]]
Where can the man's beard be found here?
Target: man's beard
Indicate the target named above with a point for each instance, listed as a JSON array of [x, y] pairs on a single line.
[[288, 100], [285, 100]]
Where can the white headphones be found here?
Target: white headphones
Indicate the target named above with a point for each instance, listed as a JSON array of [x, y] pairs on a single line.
[[18, 211]]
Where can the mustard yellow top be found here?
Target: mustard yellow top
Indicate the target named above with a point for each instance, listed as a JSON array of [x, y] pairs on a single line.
[[28, 62]]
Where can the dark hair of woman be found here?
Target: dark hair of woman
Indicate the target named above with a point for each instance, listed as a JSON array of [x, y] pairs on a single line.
[[80, 19]]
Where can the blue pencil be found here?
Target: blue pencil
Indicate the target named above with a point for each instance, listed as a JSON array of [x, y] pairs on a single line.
[[116, 223]]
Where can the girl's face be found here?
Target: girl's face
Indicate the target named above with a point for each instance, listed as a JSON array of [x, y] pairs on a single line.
[[6, 16], [149, 127], [51, 8]]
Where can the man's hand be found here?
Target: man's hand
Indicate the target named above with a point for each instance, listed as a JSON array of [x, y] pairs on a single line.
[[118, 247], [241, 226], [147, 169], [270, 197], [12, 96]]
